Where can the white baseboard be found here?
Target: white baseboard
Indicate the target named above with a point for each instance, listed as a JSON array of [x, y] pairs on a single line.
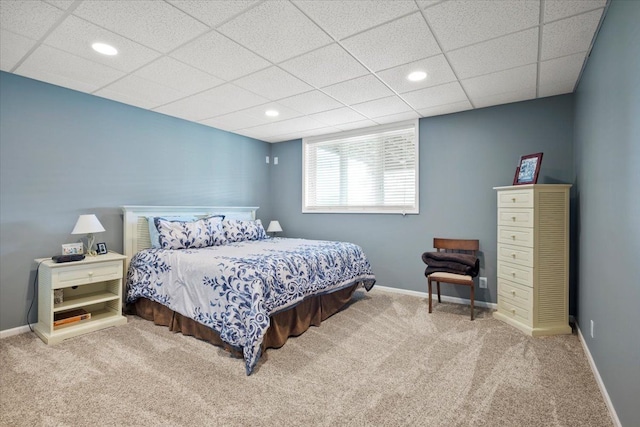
[[14, 331], [596, 374], [444, 298]]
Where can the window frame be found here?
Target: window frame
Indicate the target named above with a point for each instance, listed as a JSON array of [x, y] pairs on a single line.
[[378, 209]]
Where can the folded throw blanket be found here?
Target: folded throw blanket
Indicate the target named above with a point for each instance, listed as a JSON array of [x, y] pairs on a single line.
[[448, 262]]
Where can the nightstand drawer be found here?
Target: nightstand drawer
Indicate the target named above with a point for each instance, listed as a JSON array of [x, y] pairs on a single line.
[[518, 199], [519, 236], [520, 255], [68, 276], [516, 217], [516, 273]]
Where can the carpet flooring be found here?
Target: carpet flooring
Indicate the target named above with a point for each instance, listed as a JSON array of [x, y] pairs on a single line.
[[383, 361]]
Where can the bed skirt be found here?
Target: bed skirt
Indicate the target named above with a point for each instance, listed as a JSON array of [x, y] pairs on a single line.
[[292, 322]]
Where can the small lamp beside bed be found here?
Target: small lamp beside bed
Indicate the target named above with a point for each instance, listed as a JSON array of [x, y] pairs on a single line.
[[88, 224], [274, 227]]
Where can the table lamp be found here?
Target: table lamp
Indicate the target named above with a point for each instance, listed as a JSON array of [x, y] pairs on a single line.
[[274, 227], [88, 224]]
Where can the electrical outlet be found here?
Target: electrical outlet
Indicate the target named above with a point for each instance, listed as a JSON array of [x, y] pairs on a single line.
[[275, 160], [483, 283], [592, 329], [267, 159]]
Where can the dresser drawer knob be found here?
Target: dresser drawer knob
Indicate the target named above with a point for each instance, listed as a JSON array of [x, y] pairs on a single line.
[[513, 310], [513, 255], [91, 274], [513, 199], [513, 218], [513, 236], [513, 293], [513, 273]]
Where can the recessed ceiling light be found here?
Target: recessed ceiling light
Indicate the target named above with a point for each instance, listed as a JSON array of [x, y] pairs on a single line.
[[272, 113], [416, 76], [104, 49]]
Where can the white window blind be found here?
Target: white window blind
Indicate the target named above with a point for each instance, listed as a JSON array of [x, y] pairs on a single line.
[[372, 170]]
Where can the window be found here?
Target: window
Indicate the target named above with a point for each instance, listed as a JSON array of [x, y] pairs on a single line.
[[369, 170]]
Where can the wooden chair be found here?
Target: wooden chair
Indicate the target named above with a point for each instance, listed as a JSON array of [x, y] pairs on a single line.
[[453, 245]]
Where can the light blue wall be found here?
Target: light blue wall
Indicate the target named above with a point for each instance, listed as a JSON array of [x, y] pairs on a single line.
[[65, 153], [607, 163], [462, 157]]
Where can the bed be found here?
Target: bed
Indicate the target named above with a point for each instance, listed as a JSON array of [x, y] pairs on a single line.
[[238, 289]]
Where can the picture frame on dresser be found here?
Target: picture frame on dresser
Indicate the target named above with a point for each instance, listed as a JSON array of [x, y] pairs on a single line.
[[528, 169]]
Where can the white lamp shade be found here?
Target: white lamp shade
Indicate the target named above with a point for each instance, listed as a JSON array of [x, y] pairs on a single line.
[[87, 224], [274, 227]]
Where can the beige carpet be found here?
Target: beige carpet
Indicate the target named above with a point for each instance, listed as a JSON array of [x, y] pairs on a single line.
[[384, 361]]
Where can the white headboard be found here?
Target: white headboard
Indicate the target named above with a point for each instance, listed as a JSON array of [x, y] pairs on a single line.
[[136, 227]]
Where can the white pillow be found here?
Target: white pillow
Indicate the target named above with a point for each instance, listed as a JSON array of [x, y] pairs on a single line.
[[191, 234], [153, 231], [237, 230]]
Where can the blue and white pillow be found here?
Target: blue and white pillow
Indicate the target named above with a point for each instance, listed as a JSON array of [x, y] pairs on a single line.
[[154, 236], [191, 234], [237, 230]]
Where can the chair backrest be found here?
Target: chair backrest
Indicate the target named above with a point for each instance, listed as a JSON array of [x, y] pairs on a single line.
[[456, 245]]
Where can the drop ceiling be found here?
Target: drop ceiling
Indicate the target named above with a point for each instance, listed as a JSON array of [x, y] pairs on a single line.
[[325, 66]]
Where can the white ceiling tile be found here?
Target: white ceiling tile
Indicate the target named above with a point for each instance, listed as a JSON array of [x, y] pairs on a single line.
[[61, 4], [217, 55], [344, 18], [273, 83], [494, 55], [437, 69], [139, 92], [178, 76], [299, 124], [557, 9], [559, 87], [382, 107], [338, 116], [325, 66], [505, 98], [512, 80], [559, 75], [358, 90], [260, 110], [63, 69], [13, 48], [212, 13], [461, 23], [75, 35], [395, 118], [28, 18], [235, 121], [155, 24], [399, 42], [276, 30], [214, 102], [426, 3], [311, 102], [304, 134], [357, 125], [433, 96], [445, 109], [571, 35]]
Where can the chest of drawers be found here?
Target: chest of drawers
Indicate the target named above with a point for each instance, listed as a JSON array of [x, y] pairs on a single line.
[[533, 258]]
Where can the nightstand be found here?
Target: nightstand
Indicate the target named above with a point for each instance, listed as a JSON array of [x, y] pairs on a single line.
[[93, 285]]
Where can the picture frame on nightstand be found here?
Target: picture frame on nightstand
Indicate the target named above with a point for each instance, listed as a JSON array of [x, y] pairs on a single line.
[[101, 248]]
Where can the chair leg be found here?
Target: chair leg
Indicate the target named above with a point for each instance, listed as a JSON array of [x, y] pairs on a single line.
[[429, 282], [438, 284], [472, 291]]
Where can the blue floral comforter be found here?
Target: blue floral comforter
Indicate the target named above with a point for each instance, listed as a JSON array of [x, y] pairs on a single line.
[[234, 288]]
